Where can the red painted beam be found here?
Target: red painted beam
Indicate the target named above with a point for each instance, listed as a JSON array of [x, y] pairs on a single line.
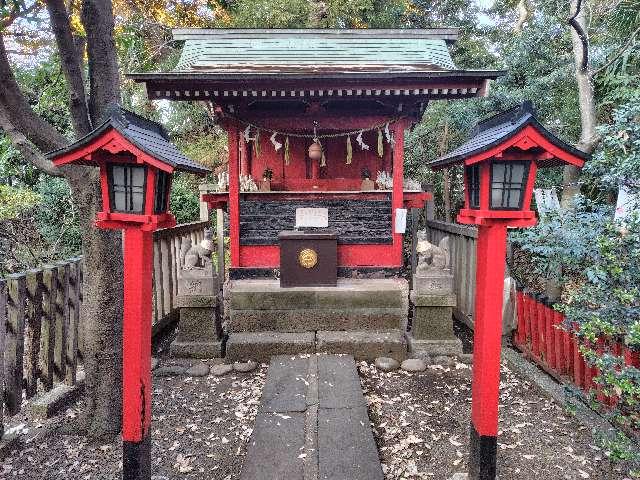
[[367, 255]]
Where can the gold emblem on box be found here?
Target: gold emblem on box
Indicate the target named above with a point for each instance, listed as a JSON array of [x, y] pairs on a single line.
[[308, 258]]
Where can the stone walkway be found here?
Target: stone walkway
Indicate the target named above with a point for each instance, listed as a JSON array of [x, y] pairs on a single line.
[[312, 423]]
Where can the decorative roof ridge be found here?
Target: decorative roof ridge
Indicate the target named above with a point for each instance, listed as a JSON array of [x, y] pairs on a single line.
[[448, 34]]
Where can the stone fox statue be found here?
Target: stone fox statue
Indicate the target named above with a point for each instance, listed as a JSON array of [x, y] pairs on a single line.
[[431, 258], [197, 256]]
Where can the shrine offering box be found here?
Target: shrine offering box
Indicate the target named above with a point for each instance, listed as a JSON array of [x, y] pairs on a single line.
[[308, 259]]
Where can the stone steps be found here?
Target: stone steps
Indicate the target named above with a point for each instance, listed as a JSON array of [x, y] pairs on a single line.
[[362, 345], [365, 318], [347, 295], [311, 320]]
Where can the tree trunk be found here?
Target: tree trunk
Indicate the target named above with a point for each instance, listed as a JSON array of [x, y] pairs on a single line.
[[104, 75], [102, 309], [586, 98], [70, 58]]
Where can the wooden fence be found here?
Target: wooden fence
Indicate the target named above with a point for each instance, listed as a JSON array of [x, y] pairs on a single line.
[[166, 258], [539, 337], [40, 313], [462, 242], [40, 329]]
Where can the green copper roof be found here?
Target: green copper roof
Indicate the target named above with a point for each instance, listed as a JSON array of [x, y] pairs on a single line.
[[312, 51]]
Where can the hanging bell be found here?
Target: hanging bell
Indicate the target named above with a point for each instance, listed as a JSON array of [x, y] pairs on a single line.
[[315, 151]]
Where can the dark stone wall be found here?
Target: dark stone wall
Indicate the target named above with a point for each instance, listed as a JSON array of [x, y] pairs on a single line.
[[355, 221]]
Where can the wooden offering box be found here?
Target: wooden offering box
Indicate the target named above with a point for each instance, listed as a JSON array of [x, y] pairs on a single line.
[[308, 259]]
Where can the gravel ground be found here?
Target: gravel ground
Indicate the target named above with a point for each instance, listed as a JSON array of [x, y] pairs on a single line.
[[200, 429], [421, 421], [421, 426]]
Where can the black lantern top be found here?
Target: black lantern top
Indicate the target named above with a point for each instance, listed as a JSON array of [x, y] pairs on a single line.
[[136, 161], [142, 134], [500, 163]]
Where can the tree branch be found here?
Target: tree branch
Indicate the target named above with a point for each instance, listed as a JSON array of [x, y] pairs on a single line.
[[25, 147], [619, 53], [17, 12], [20, 114], [104, 75], [71, 65]]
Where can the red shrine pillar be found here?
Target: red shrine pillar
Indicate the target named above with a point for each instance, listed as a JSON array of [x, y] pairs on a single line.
[[234, 194], [136, 353], [398, 187], [245, 166], [491, 254]]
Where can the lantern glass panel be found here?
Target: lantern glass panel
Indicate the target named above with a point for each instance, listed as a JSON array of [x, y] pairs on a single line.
[[508, 180], [473, 182], [127, 188], [162, 192]]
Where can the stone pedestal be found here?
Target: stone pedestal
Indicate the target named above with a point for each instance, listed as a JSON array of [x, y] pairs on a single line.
[[432, 329], [199, 328]]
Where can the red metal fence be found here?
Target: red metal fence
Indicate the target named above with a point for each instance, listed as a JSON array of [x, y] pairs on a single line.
[[539, 337]]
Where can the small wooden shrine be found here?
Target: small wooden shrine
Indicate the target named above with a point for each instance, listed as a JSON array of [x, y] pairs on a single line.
[[310, 114]]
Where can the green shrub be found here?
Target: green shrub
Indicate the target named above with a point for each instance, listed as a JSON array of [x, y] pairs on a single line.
[[185, 199]]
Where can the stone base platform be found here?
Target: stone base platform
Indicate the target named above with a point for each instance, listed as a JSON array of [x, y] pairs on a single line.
[[362, 345], [426, 349], [365, 318]]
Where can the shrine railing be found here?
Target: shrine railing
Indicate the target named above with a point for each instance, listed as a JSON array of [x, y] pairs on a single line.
[[166, 259], [539, 337], [462, 242], [41, 333]]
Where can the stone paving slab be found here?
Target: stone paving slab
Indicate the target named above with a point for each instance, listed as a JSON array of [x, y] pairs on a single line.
[[338, 382], [275, 447], [347, 450], [313, 423], [286, 386]]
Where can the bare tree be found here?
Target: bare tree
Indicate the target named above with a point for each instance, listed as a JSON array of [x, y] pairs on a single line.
[[33, 136]]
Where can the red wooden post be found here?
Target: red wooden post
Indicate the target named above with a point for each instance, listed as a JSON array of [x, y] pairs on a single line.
[[136, 354], [535, 327], [245, 167], [398, 190], [527, 322], [234, 196], [491, 251], [559, 339], [568, 351], [542, 330], [521, 333], [550, 334], [578, 363]]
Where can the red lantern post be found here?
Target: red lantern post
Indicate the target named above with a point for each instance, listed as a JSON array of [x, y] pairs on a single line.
[[500, 163], [136, 161]]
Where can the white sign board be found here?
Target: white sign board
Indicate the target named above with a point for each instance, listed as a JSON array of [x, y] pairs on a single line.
[[312, 217], [401, 220]]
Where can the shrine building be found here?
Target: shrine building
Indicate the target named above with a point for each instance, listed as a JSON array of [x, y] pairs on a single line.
[[316, 195]]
